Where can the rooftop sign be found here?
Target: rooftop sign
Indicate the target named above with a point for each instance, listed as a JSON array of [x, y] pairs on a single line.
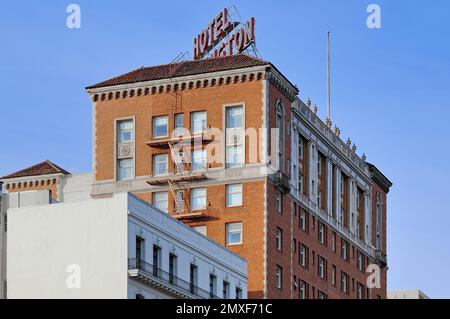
[[223, 37]]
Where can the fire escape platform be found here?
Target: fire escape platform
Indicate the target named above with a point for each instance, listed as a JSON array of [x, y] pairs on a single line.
[[186, 140], [176, 178]]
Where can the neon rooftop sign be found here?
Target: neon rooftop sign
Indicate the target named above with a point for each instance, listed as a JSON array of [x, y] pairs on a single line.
[[223, 37]]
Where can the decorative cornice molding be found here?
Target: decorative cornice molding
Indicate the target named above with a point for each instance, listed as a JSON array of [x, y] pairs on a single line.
[[177, 84], [379, 178]]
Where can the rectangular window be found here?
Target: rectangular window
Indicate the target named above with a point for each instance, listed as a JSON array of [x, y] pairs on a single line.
[[124, 169], [322, 233], [322, 271], [156, 261], [179, 124], [234, 195], [226, 290], [172, 268], [238, 293], [198, 122], [360, 291], [300, 183], [160, 164], [139, 251], [302, 219], [279, 277], [278, 202], [201, 229], [161, 201], [344, 282], [212, 286], [160, 126], [333, 275], [193, 278], [360, 261], [125, 131], [234, 156], [198, 160], [234, 233], [198, 198], [234, 150], [303, 256], [344, 249], [279, 238], [333, 242], [304, 290], [322, 295]]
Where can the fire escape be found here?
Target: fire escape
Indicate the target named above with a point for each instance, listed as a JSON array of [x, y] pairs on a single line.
[[180, 144]]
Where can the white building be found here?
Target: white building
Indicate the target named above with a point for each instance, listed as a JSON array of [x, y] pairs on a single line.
[[114, 247], [407, 294]]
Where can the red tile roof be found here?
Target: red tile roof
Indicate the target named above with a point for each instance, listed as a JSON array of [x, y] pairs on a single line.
[[184, 68], [44, 168]]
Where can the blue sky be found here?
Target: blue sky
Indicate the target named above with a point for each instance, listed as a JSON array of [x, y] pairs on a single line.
[[390, 92]]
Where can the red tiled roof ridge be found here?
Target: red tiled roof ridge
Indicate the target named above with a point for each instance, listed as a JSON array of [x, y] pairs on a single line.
[[43, 168], [143, 74]]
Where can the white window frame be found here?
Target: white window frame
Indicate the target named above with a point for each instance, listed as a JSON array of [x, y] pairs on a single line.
[[154, 119], [279, 277], [228, 227], [131, 167], [120, 131], [154, 201], [155, 159], [230, 192], [194, 162], [279, 238], [238, 150], [193, 198], [202, 229], [194, 130]]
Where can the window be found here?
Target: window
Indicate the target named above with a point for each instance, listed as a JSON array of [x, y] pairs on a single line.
[[124, 169], [198, 160], [201, 229], [303, 256], [279, 238], [193, 278], [234, 117], [234, 195], [322, 233], [300, 183], [234, 149], [304, 290], [139, 296], [161, 201], [226, 290], [344, 282], [212, 286], [333, 242], [198, 198], [156, 261], [360, 261], [179, 124], [300, 147], [333, 275], [322, 270], [303, 220], [160, 164], [139, 251], [238, 293], [278, 201], [344, 249], [125, 131], [198, 122], [378, 221], [172, 268], [322, 295], [234, 233], [160, 126], [279, 277], [360, 291], [280, 136]]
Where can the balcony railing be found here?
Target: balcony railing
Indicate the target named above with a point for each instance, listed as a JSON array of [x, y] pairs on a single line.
[[150, 271], [282, 182], [381, 258]]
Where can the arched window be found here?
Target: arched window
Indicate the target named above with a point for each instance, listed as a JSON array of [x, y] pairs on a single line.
[[379, 220], [280, 135]]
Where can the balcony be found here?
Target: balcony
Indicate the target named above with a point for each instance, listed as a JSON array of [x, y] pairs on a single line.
[[166, 282], [282, 182], [186, 176], [381, 258], [194, 139]]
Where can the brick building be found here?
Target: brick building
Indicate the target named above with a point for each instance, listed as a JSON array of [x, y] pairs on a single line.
[[278, 186], [227, 146]]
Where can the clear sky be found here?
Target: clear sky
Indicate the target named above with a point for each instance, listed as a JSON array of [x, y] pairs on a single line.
[[390, 92]]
